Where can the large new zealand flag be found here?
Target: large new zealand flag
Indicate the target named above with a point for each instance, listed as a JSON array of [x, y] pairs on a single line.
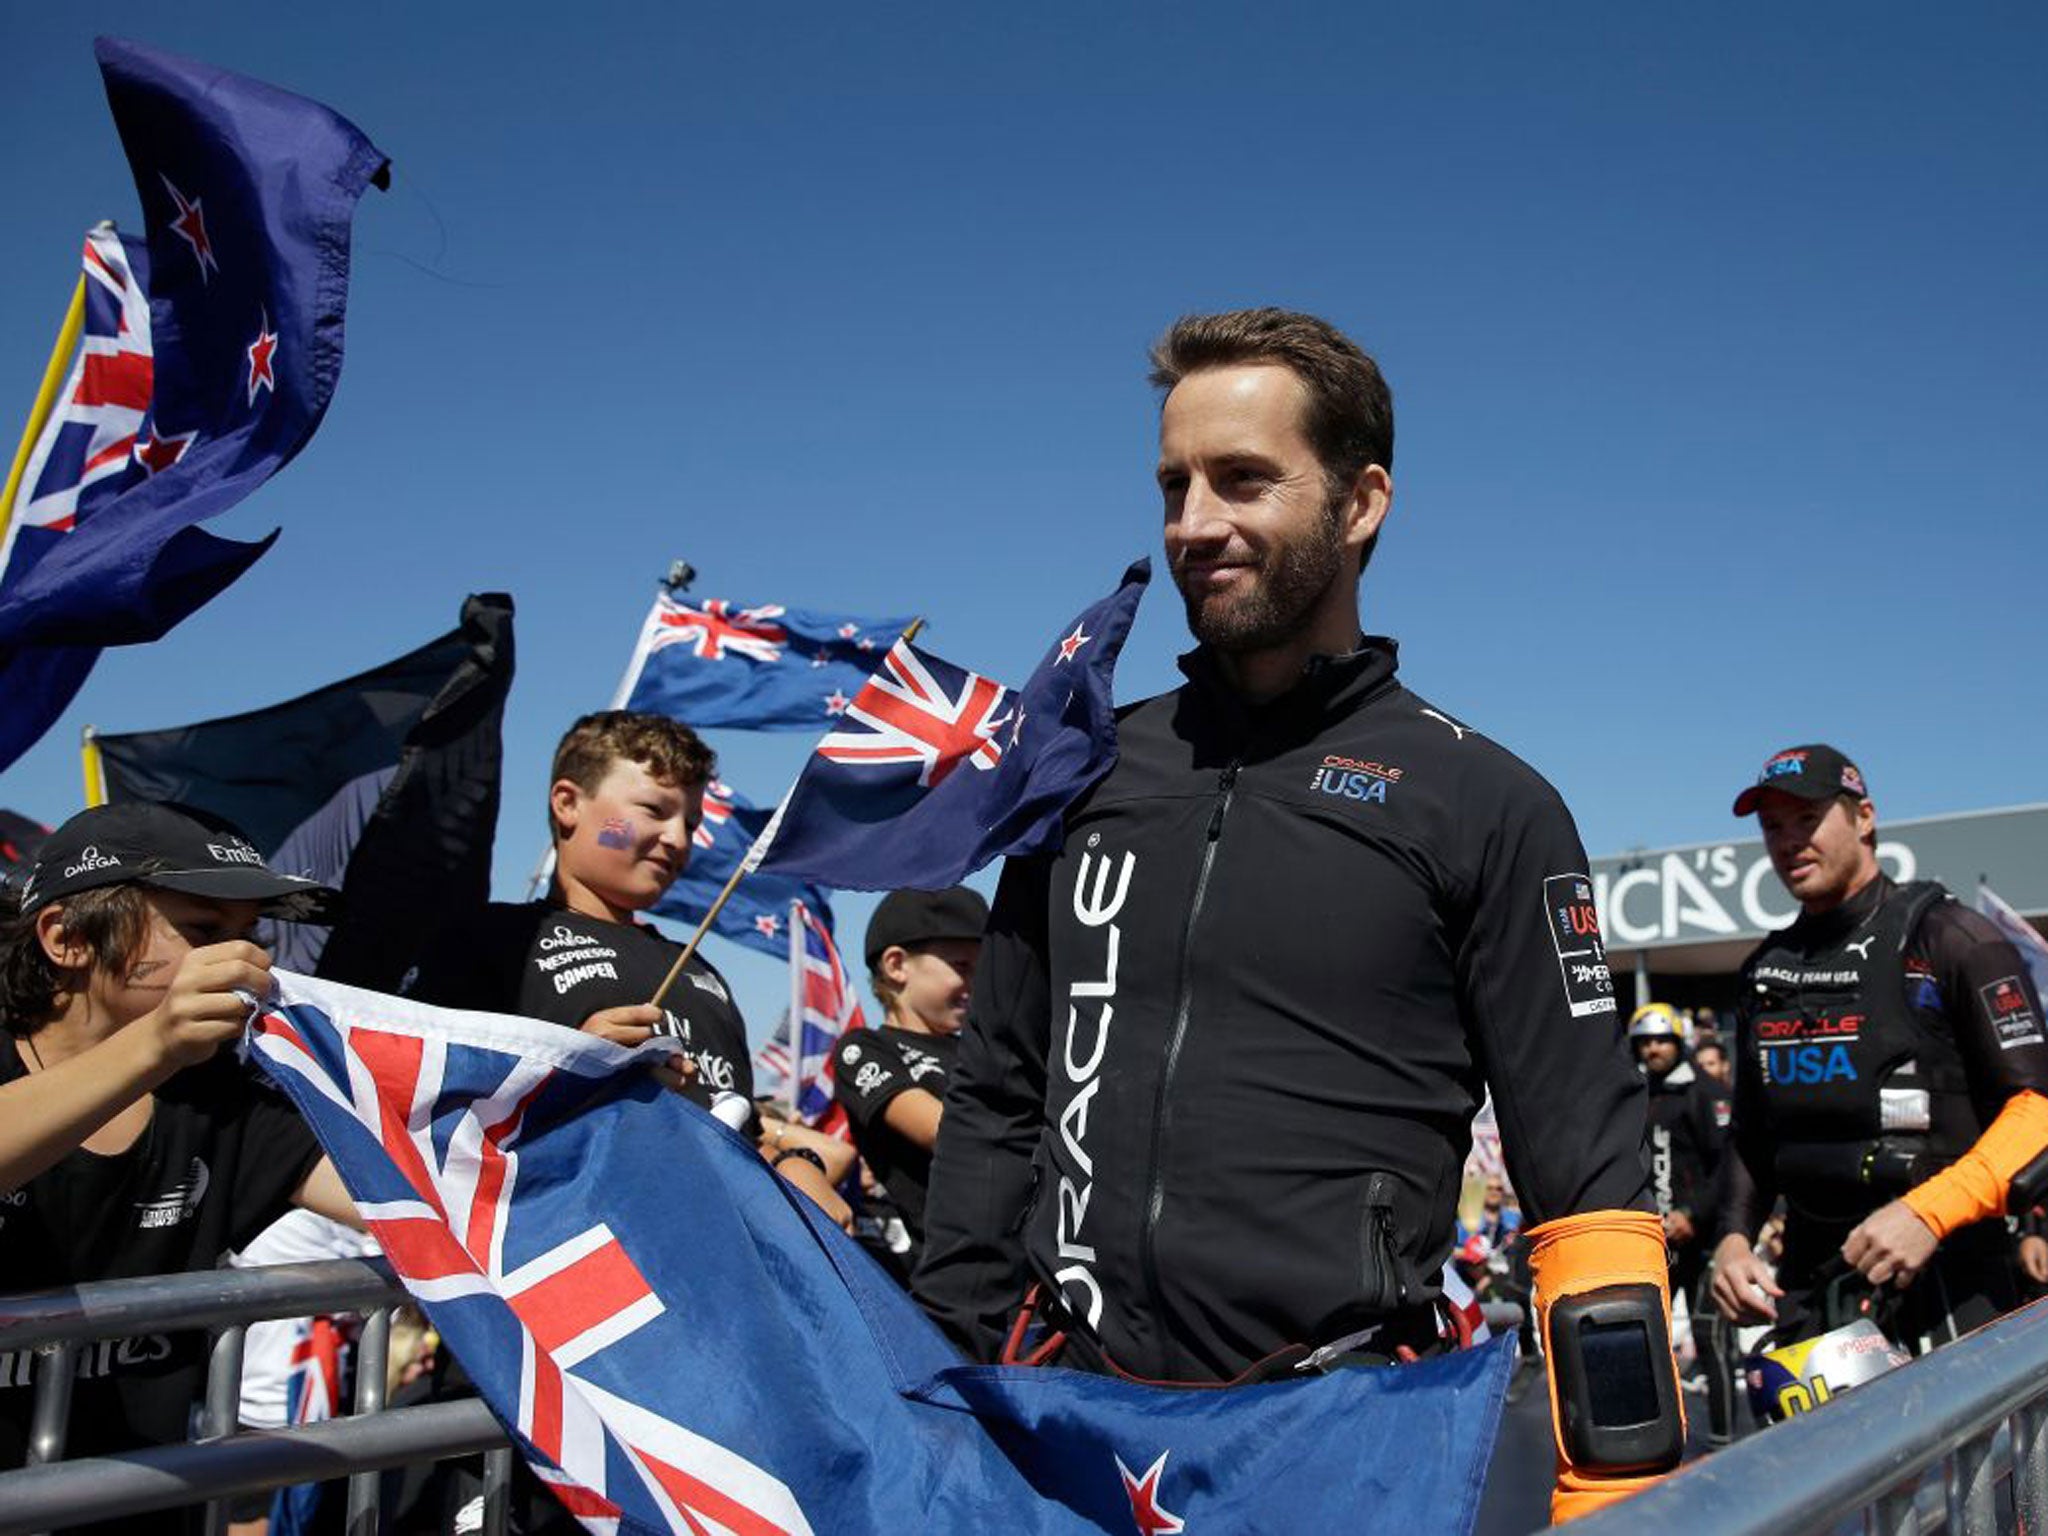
[[247, 193], [935, 770], [764, 668], [682, 1342]]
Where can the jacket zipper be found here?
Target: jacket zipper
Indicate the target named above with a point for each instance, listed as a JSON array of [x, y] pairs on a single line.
[[1162, 1104]]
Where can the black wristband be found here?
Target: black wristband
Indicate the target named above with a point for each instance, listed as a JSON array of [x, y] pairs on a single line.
[[803, 1153]]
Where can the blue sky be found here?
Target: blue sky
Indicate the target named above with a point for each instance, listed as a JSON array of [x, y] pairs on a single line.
[[1714, 339]]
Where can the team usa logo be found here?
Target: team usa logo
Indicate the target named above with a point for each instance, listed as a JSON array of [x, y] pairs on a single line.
[[1581, 952], [1784, 765], [1349, 778], [2011, 1013]]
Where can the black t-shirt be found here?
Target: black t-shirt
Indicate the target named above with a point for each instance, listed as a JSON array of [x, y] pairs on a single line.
[[870, 1067], [216, 1165], [542, 961]]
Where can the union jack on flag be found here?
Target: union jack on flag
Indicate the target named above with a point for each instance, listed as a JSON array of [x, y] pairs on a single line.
[[718, 629], [933, 770], [681, 1342], [918, 709], [430, 1131], [831, 1007], [88, 449]]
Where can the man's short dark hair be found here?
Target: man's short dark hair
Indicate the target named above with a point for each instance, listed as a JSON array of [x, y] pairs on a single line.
[[666, 748], [111, 921], [1349, 417]]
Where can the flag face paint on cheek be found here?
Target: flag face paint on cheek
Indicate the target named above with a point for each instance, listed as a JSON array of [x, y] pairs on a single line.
[[617, 832]]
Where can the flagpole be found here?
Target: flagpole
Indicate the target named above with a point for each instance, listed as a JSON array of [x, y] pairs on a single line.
[[796, 1004], [46, 401], [697, 938], [95, 769]]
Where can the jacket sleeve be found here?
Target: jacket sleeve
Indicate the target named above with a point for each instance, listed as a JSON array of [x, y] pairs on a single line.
[[1990, 1003], [1535, 988], [973, 1273], [1749, 1185]]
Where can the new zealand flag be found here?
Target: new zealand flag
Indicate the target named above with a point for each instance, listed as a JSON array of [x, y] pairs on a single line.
[[681, 1342], [757, 912], [766, 668], [935, 770], [187, 399]]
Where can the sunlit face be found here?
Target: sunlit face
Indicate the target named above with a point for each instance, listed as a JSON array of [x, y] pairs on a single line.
[[177, 924], [933, 982], [627, 840], [1822, 849], [1255, 541]]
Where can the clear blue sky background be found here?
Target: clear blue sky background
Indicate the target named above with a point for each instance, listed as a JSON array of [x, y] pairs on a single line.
[[1716, 340]]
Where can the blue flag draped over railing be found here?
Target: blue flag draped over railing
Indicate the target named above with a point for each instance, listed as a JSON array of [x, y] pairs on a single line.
[[680, 1341], [247, 194], [766, 668], [934, 770], [756, 914]]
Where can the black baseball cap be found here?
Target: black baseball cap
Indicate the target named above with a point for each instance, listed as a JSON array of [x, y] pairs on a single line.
[[922, 917], [1813, 772], [174, 847]]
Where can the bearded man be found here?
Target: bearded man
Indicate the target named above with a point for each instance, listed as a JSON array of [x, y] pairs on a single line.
[[1208, 1117]]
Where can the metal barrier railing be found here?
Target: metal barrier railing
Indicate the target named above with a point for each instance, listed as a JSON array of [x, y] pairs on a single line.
[[1867, 1453], [224, 1463]]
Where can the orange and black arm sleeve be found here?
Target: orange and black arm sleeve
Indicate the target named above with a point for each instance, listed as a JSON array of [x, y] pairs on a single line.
[[1978, 1185], [1603, 1310]]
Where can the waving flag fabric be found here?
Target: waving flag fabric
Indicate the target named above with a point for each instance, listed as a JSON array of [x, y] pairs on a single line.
[[384, 784], [764, 668], [178, 409], [935, 770], [757, 912], [831, 1006], [681, 1342]]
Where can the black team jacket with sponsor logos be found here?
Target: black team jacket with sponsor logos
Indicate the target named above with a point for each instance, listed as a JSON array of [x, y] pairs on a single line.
[[1900, 1019], [1226, 1045]]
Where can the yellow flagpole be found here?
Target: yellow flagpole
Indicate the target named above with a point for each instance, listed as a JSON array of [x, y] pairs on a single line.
[[46, 399], [95, 771]]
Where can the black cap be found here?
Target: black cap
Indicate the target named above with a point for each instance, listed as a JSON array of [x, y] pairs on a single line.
[[173, 847], [922, 917], [1813, 772]]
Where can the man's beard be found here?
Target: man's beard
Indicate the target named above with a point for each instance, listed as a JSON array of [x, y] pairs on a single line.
[[1290, 581]]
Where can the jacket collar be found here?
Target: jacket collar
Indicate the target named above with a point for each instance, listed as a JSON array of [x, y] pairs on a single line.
[[1327, 683]]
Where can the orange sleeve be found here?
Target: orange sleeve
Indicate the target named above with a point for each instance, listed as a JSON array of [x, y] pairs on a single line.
[[1973, 1187], [1568, 1257]]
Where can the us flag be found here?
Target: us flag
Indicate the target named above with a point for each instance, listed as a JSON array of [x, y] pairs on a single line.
[[681, 1342]]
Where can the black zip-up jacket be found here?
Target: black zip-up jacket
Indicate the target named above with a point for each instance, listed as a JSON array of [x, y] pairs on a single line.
[[1689, 1114], [1226, 1045]]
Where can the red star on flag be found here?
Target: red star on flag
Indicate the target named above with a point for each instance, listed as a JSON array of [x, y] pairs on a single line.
[[1071, 644], [190, 226], [1143, 1493], [260, 352], [158, 454], [848, 631], [836, 702], [768, 924]]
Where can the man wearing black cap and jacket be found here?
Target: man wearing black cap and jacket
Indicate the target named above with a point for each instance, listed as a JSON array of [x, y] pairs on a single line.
[[1890, 1079], [130, 1144], [1228, 1040], [921, 948]]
